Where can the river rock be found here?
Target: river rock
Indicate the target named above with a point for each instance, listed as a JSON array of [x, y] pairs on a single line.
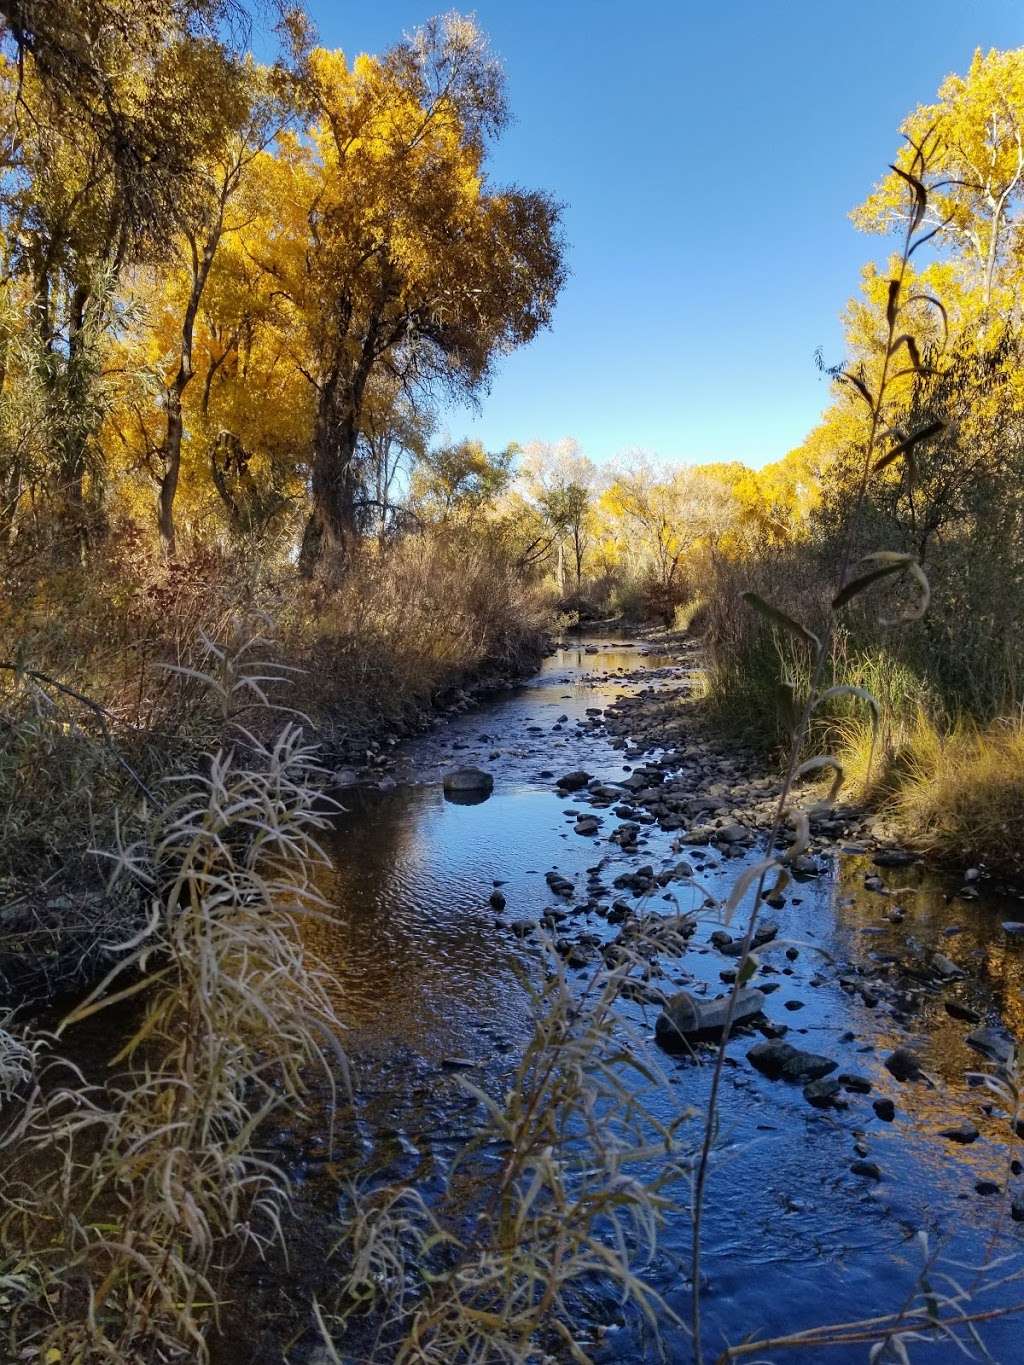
[[732, 834], [868, 1169], [993, 1043], [587, 824], [560, 886], [468, 780], [946, 968], [858, 1085], [893, 857], [903, 1064], [573, 782], [964, 1012], [497, 901], [963, 1132], [1013, 926], [823, 1094], [885, 1109], [778, 1060], [686, 1016]]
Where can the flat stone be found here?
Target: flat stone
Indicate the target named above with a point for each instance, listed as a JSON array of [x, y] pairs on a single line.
[[858, 1085], [893, 857], [778, 1060], [993, 1043], [732, 834], [964, 1012], [961, 1132], [946, 968], [686, 1016]]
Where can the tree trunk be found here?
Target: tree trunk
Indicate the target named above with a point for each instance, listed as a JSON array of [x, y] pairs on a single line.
[[333, 529], [202, 263], [172, 468]]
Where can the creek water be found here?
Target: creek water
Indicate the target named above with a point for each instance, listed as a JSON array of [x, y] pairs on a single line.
[[427, 978]]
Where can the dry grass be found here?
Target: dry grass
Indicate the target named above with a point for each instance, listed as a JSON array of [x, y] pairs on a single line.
[[957, 792], [123, 1203], [406, 625]]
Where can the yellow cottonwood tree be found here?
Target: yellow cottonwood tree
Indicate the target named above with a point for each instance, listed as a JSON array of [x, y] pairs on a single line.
[[975, 135], [391, 249]]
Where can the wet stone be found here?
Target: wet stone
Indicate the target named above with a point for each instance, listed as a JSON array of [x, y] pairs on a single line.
[[824, 1094], [868, 1169], [858, 1085], [903, 1064], [686, 1016], [778, 1060], [964, 1132], [572, 782]]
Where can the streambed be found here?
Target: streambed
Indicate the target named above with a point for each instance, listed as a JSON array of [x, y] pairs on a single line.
[[426, 974]]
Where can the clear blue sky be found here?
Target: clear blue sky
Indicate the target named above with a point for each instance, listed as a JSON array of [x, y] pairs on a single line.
[[708, 153]]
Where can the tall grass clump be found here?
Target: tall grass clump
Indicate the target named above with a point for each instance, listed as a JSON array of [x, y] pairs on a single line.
[[960, 793], [125, 1200]]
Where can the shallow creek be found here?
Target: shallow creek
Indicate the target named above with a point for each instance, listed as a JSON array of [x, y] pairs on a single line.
[[425, 974]]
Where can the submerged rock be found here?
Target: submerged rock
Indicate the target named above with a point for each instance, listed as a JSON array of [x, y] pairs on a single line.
[[959, 1011], [963, 1132], [686, 1016], [468, 780], [946, 968], [868, 1169], [994, 1044], [778, 1060]]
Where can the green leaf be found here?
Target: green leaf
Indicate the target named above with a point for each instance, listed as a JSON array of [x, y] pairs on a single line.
[[780, 618]]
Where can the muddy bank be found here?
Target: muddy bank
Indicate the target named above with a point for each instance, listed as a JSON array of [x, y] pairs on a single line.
[[851, 1114]]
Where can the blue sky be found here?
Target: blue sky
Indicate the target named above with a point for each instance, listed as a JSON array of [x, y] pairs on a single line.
[[708, 153]]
